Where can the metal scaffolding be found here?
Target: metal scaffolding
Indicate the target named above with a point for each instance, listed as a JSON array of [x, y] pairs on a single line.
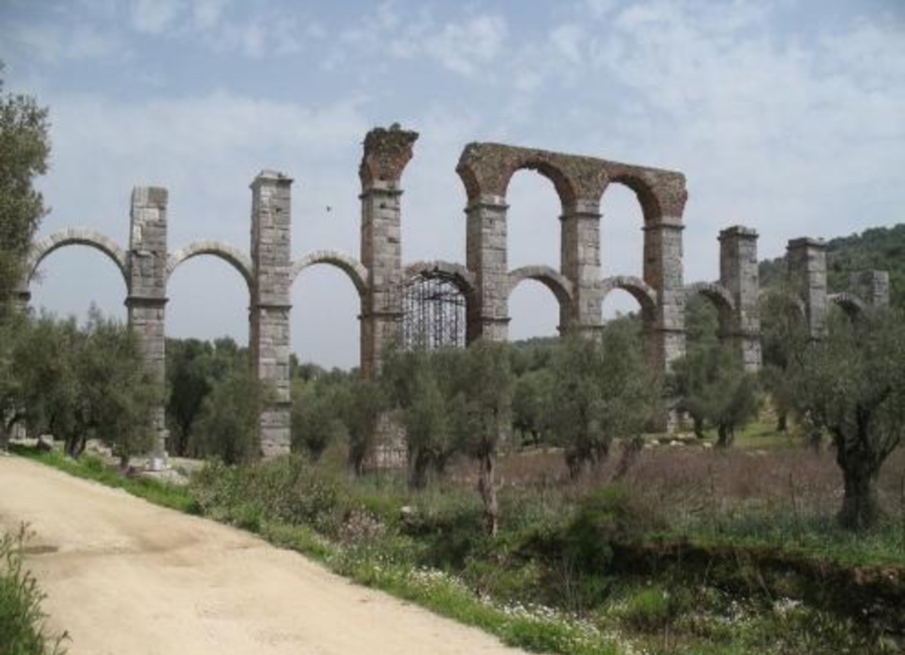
[[433, 312]]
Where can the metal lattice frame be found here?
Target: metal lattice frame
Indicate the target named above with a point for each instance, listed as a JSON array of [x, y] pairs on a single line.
[[433, 312]]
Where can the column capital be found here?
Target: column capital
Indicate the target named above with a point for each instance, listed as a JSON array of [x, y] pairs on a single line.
[[806, 242], [487, 201], [145, 301], [738, 232], [269, 177], [661, 226]]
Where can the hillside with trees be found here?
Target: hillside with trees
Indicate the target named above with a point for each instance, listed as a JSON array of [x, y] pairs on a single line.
[[877, 248]]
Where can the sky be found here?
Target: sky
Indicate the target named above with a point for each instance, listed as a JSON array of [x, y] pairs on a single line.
[[787, 116]]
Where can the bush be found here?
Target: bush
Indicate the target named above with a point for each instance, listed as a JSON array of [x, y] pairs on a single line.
[[649, 609], [608, 517], [287, 490], [21, 618]]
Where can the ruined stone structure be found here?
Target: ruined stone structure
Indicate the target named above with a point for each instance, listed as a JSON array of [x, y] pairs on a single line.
[[485, 281]]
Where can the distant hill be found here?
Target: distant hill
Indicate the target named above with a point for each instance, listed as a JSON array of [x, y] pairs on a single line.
[[878, 248]]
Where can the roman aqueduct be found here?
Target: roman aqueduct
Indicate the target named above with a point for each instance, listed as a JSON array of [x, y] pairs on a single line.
[[484, 281]]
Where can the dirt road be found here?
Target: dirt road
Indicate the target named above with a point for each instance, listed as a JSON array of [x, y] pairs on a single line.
[[125, 577]]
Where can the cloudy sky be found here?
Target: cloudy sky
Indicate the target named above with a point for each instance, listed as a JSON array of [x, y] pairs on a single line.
[[787, 116]]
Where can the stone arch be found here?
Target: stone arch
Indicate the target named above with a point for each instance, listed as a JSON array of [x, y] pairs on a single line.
[[720, 298], [458, 274], [638, 288], [230, 254], [550, 278], [661, 193], [347, 264], [71, 237], [644, 192], [851, 304], [715, 293], [793, 299], [487, 168]]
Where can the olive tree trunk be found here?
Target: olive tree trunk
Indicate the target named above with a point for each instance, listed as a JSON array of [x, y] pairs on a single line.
[[860, 507], [487, 488]]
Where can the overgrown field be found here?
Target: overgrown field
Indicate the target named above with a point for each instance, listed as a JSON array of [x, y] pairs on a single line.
[[693, 551]]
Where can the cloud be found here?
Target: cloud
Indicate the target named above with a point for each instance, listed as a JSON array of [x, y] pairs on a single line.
[[467, 46], [53, 44], [155, 16]]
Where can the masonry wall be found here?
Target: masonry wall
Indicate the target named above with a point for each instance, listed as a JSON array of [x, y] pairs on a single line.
[[271, 254], [146, 302]]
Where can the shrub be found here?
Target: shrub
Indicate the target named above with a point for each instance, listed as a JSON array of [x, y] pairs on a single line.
[[608, 517], [649, 609], [21, 618]]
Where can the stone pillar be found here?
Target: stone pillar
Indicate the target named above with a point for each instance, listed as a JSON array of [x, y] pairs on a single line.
[[806, 259], [663, 272], [147, 299], [271, 257], [386, 154], [580, 263], [872, 287], [739, 275], [488, 311]]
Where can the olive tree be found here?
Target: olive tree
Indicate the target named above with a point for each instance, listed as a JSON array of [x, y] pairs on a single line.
[[422, 385], [24, 148], [366, 403], [81, 383], [602, 391], [852, 383], [483, 409], [229, 426]]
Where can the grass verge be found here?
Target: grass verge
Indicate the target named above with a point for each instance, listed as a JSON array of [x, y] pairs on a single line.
[[21, 619]]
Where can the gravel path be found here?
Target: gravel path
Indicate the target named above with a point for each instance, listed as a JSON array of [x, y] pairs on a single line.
[[125, 577]]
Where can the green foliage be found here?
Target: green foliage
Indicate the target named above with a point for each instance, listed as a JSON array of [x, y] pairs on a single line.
[[361, 415], [713, 387], [193, 368], [24, 149], [853, 384], [877, 248], [649, 609], [532, 404], [287, 490], [610, 516], [81, 383], [317, 411], [784, 338], [21, 619], [602, 391], [229, 426]]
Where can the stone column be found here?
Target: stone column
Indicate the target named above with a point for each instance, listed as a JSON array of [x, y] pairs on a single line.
[[739, 275], [663, 272], [806, 259], [147, 299], [872, 287], [386, 154], [580, 263], [271, 256], [488, 311]]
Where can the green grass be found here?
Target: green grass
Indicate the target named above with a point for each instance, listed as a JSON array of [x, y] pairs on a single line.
[[92, 468], [814, 537]]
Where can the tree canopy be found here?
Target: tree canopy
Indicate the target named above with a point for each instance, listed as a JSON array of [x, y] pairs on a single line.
[[24, 149]]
